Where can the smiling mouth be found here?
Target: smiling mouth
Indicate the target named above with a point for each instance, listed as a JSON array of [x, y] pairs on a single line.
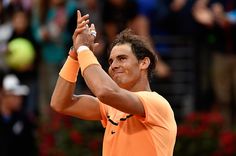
[[117, 74]]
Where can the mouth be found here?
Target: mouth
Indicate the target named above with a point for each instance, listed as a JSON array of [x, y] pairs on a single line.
[[117, 74]]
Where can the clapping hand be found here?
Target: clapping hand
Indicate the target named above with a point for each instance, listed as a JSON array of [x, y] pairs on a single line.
[[83, 34]]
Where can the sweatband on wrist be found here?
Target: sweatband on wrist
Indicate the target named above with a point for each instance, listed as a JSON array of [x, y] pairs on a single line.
[[82, 48], [86, 58], [70, 70]]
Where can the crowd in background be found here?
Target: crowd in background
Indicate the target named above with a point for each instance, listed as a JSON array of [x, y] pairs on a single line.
[[48, 26]]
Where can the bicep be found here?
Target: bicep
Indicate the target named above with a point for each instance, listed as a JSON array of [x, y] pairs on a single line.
[[84, 107]]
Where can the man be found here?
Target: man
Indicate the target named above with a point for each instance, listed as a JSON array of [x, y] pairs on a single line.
[[16, 131], [138, 121]]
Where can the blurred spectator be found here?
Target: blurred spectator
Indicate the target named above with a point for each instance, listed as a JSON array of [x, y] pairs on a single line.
[[231, 16], [16, 132], [120, 14], [14, 4], [5, 31], [181, 19], [50, 27], [28, 75], [1, 79], [149, 22], [200, 14], [117, 15], [220, 39], [156, 12]]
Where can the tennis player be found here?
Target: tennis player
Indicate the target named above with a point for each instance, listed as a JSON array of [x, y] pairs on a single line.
[[137, 121]]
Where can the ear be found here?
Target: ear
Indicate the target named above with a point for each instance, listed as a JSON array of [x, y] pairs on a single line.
[[144, 63]]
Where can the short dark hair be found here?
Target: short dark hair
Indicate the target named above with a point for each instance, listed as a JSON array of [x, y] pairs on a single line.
[[139, 46]]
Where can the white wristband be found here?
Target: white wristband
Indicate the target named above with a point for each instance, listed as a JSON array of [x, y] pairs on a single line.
[[82, 48]]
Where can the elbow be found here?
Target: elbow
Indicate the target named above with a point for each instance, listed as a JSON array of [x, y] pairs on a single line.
[[55, 105], [60, 104]]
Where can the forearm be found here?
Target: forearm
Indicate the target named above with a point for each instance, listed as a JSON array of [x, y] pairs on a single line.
[[108, 92], [98, 81], [64, 89]]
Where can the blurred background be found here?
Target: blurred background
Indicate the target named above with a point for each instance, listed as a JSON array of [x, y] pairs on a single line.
[[196, 72]]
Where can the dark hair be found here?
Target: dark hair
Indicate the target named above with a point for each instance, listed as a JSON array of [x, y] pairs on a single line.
[[139, 46]]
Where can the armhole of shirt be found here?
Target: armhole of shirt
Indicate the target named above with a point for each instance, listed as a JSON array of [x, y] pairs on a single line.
[[103, 114]]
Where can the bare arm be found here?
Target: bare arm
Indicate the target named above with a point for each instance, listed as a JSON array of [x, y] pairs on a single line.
[[63, 100], [82, 106]]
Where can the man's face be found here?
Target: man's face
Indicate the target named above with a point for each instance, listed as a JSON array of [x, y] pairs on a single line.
[[124, 66], [20, 22], [14, 102]]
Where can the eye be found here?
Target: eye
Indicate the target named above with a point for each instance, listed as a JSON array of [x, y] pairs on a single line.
[[122, 58], [110, 61]]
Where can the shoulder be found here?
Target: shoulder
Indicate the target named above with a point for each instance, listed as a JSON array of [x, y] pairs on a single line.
[[151, 97], [155, 104]]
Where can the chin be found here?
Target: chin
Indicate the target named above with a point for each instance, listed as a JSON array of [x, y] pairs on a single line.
[[120, 82], [123, 85]]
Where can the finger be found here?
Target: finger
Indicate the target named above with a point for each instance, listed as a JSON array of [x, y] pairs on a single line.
[[78, 31], [78, 16], [83, 24], [83, 18], [92, 27], [93, 30]]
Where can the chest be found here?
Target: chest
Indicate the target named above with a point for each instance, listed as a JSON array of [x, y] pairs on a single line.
[[122, 124]]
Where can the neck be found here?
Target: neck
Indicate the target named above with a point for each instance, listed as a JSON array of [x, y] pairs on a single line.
[[141, 85], [140, 88]]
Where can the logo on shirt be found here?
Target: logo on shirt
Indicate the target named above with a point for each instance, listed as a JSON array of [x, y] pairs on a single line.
[[113, 132]]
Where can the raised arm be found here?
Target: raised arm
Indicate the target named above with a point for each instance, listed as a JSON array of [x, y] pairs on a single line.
[[81, 106], [63, 100], [100, 83]]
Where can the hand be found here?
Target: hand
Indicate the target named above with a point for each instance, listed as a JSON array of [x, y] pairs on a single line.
[[220, 15], [72, 52], [203, 16], [82, 34]]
